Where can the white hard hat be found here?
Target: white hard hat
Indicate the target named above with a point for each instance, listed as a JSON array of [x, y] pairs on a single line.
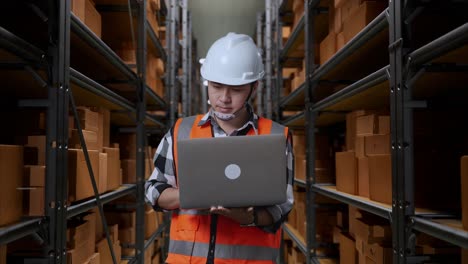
[[233, 60]]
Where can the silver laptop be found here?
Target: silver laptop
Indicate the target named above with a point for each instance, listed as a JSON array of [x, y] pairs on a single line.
[[237, 171]]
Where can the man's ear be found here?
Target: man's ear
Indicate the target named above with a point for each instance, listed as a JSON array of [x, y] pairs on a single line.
[[254, 86]]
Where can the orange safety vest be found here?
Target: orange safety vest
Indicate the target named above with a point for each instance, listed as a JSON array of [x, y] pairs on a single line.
[[190, 229]]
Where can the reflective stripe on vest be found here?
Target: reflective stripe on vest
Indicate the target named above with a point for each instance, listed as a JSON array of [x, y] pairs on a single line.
[[223, 251], [190, 229]]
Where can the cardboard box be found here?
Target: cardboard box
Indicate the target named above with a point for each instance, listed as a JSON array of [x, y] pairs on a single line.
[[92, 18], [124, 219], [342, 219], [299, 144], [348, 252], [346, 172], [129, 170], [380, 178], [127, 143], [103, 132], [363, 176], [464, 256], [351, 127], [78, 8], [352, 215], [103, 172], [102, 247], [33, 201], [348, 8], [327, 47], [384, 125], [367, 125], [11, 178], [360, 147], [357, 18], [90, 137], [377, 145], [91, 219], [340, 41], [30, 155], [3, 254], [79, 182], [300, 168], [464, 191], [156, 259], [150, 223], [34, 175], [94, 259], [114, 178], [337, 21], [89, 120], [80, 242], [77, 233], [379, 253], [38, 142], [77, 255], [373, 230]]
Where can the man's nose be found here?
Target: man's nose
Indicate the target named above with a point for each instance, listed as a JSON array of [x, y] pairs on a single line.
[[226, 95]]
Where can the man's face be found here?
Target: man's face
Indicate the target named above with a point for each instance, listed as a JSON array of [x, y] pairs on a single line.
[[227, 99]]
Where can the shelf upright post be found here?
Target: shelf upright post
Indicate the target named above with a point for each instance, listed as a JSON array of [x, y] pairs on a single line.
[[141, 133], [171, 40], [279, 67], [57, 129], [268, 61], [260, 110], [189, 72], [185, 61], [310, 117], [401, 139]]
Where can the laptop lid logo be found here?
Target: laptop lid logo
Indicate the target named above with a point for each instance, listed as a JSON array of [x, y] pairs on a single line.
[[232, 171]]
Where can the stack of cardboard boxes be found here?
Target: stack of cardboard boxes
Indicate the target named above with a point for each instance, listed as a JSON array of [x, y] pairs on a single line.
[[128, 158], [368, 239], [365, 167], [105, 160], [346, 19], [298, 11], [86, 11]]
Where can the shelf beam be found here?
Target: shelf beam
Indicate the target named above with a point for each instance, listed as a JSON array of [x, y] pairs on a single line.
[[20, 47], [85, 33], [452, 235], [105, 198], [368, 206], [355, 88], [294, 35], [446, 43], [156, 42], [372, 29], [295, 236], [26, 227], [94, 87]]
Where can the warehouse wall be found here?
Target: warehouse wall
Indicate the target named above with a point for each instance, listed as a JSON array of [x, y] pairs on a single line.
[[212, 19]]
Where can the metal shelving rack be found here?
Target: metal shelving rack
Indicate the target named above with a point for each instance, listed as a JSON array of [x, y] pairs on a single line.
[[65, 36], [390, 79]]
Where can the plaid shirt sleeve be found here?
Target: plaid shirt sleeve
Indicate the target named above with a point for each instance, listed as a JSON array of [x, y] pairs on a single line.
[[163, 175], [280, 212]]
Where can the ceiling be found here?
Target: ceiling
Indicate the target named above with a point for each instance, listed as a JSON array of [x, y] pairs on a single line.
[[212, 19]]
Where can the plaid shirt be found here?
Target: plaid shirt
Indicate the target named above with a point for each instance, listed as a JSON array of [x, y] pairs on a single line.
[[163, 176]]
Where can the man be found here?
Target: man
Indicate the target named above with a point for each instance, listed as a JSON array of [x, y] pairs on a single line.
[[232, 68]]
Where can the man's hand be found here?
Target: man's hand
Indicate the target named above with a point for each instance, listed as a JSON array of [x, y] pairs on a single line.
[[242, 215]]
